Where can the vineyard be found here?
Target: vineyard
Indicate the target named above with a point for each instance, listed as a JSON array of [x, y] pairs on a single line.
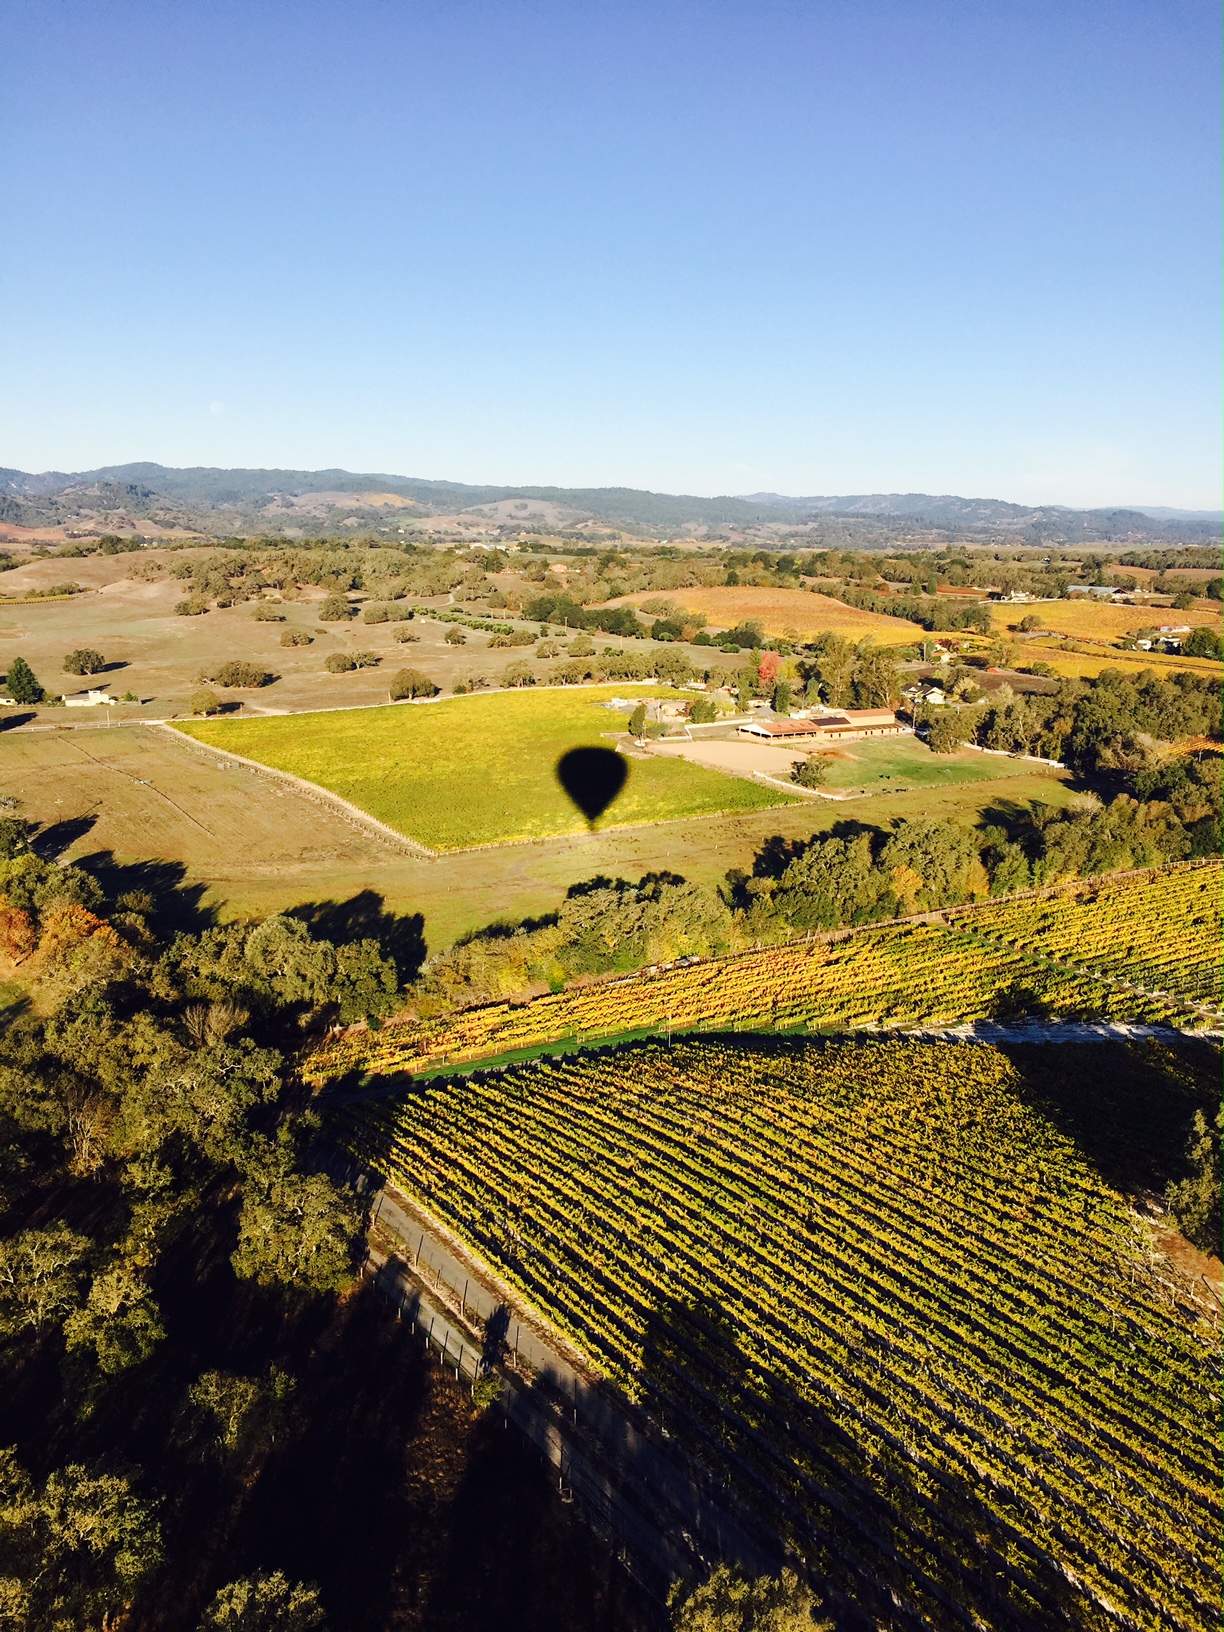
[[873, 1287], [1162, 931], [1001, 958]]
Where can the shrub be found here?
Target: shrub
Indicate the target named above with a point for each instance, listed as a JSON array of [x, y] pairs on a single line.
[[518, 674], [267, 614], [334, 609], [456, 637], [295, 637], [366, 660], [403, 636], [548, 648], [205, 701], [375, 614], [240, 674], [84, 661], [411, 683], [517, 637], [23, 683], [191, 608], [582, 647], [812, 772], [338, 663]]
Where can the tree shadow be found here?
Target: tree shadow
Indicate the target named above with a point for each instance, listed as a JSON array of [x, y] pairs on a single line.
[[176, 905], [9, 722], [401, 936], [885, 1542], [1128, 1106], [50, 842], [518, 1559]]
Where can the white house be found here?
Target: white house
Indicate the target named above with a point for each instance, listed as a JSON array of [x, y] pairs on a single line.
[[87, 699]]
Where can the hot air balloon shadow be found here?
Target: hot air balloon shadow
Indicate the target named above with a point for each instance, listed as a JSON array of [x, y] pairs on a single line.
[[592, 777]]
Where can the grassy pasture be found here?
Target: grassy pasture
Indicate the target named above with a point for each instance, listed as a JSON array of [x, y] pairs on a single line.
[[905, 762], [782, 609], [480, 769]]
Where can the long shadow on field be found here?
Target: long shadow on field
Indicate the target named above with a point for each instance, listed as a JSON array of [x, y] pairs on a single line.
[[884, 1549], [10, 722], [52, 840], [176, 905], [364, 917], [1128, 1106], [517, 1559]]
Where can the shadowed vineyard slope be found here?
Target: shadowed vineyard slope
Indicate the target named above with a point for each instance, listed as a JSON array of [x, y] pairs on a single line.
[[1143, 947], [876, 1287]]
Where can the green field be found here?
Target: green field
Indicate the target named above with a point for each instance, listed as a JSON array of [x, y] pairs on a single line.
[[905, 762], [477, 770], [885, 1291]]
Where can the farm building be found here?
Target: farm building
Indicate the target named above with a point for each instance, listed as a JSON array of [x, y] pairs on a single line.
[[847, 725], [90, 698]]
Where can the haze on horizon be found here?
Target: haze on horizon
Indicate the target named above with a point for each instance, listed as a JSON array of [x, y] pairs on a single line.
[[716, 248]]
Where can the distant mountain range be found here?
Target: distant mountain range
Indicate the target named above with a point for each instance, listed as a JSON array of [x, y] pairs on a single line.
[[296, 502]]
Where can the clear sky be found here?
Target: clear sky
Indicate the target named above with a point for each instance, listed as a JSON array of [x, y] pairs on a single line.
[[814, 246]]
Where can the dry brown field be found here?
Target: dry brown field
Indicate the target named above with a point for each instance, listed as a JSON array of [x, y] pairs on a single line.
[[144, 804], [1078, 666], [1090, 620], [158, 655], [782, 609]]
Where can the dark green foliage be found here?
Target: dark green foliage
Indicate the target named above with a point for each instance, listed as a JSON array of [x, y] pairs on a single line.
[[949, 729], [296, 1230], [265, 1603], [704, 711], [843, 675], [240, 674], [812, 772], [339, 663], [335, 608], [84, 661], [1195, 1201], [22, 682], [410, 683], [73, 1549], [604, 925], [1201, 642], [14, 836]]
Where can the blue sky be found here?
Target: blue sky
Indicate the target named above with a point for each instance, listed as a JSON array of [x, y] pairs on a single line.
[[814, 247]]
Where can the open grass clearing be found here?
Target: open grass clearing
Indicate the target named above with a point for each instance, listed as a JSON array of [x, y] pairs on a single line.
[[906, 762], [481, 769]]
